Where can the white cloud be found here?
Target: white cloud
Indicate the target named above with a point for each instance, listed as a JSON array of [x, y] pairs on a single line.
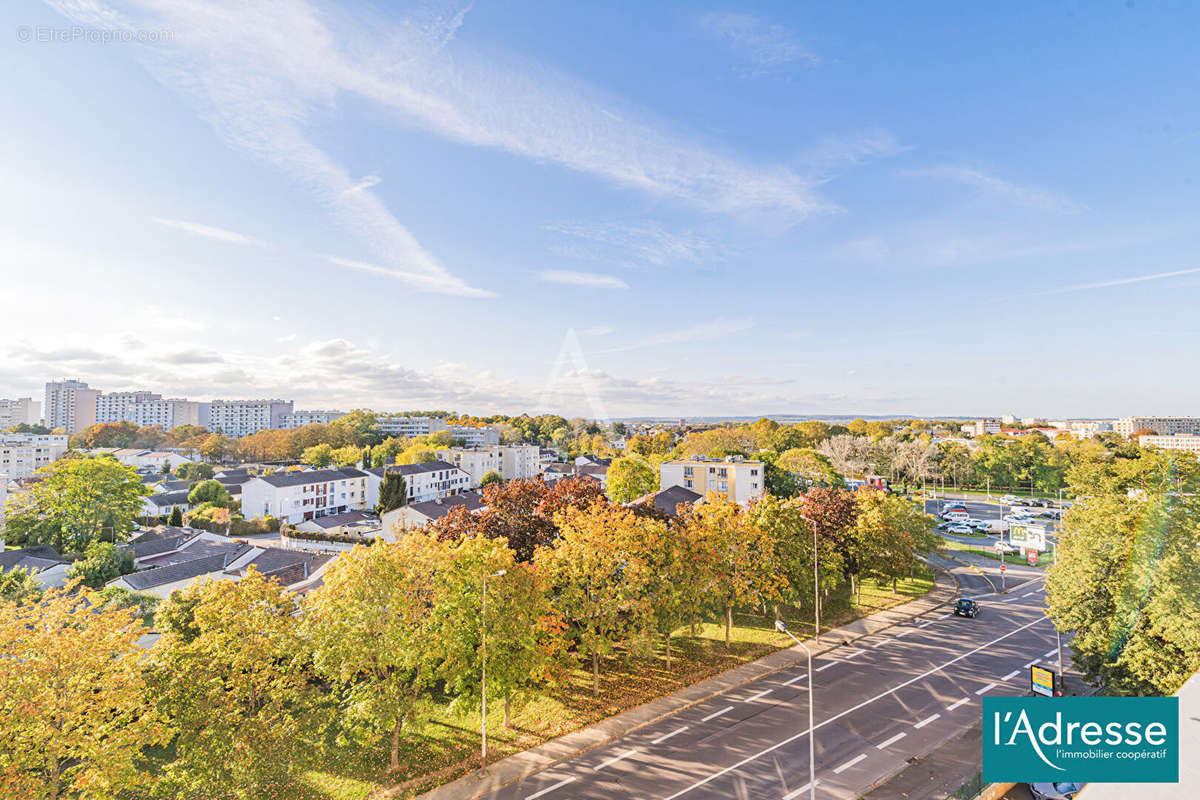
[[835, 153], [635, 243], [592, 279], [415, 279], [763, 44], [599, 330], [1155, 276], [1024, 196], [366, 182], [210, 232]]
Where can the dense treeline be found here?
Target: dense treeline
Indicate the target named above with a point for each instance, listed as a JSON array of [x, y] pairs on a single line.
[[249, 685]]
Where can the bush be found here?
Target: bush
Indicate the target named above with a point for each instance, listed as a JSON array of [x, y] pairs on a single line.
[[345, 538]]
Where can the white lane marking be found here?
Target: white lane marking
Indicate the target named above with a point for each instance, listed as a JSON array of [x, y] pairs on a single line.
[[892, 740], [849, 764], [903, 633], [849, 654], [927, 624], [827, 666], [957, 703], [1031, 663], [794, 793], [666, 736], [1029, 594], [1011, 675], [945, 616], [716, 714], [761, 694], [1050, 653], [881, 642], [986, 689], [926, 721], [551, 788], [614, 759], [851, 710], [799, 677]]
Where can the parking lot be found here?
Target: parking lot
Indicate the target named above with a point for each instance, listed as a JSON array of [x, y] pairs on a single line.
[[988, 511]]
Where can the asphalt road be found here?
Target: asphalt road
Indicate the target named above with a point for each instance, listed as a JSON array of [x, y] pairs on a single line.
[[887, 698], [979, 509]]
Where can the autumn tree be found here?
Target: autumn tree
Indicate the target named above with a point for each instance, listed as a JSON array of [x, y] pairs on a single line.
[[101, 563], [320, 455], [629, 478], [236, 693], [792, 535], [74, 715], [513, 513]]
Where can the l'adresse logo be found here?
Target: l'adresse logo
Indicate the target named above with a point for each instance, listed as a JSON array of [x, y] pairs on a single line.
[[1126, 739]]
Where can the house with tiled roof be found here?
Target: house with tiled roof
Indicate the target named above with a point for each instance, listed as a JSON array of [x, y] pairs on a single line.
[[299, 495]]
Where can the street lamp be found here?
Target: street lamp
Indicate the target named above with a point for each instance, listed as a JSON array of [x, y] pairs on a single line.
[[812, 762], [816, 585], [483, 641]]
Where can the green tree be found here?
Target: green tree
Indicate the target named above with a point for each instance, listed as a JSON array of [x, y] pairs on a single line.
[[176, 518], [629, 478], [101, 563], [194, 472], [320, 455], [210, 492], [19, 586], [393, 492], [810, 467], [78, 498], [363, 424], [489, 478]]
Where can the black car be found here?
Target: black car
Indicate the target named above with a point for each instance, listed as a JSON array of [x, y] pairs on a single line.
[[966, 607]]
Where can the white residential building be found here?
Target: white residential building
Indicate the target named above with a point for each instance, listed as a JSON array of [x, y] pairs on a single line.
[[736, 478], [70, 405], [236, 418], [155, 460], [1082, 428], [22, 454], [475, 461], [305, 494], [407, 427], [429, 480], [472, 436], [519, 461], [21, 411], [1163, 426], [986, 426], [298, 419], [147, 409], [1187, 442]]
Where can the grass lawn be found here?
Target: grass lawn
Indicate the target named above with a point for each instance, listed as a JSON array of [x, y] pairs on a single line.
[[1044, 560], [445, 746]]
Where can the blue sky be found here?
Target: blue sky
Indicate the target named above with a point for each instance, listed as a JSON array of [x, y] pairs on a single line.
[[737, 209]]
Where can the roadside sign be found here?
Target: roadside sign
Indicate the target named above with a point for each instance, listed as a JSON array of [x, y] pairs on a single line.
[[1003, 567], [1028, 537], [1041, 681], [1032, 557]]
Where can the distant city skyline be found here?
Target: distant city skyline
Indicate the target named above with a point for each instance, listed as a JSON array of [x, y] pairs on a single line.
[[736, 209]]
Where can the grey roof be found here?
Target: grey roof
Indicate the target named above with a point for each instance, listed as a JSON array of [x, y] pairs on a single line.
[[275, 561], [233, 476], [180, 571], [33, 559], [345, 518], [435, 509], [199, 549], [154, 547], [300, 478], [178, 498], [667, 500], [175, 485], [160, 531], [412, 469], [233, 489]]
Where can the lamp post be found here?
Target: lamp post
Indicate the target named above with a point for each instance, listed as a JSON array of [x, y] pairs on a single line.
[[812, 762], [816, 585], [483, 683]]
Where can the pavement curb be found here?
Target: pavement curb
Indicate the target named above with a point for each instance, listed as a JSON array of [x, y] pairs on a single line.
[[521, 765]]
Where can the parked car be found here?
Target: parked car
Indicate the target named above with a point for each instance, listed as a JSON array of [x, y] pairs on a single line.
[[960, 529], [1004, 547], [1055, 791], [1019, 519], [1008, 499], [957, 515], [966, 607], [979, 524], [996, 526], [941, 526]]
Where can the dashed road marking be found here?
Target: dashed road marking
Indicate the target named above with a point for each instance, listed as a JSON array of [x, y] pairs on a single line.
[[551, 788], [799, 677], [666, 736], [826, 666], [849, 764], [1011, 675], [891, 741], [881, 642], [1050, 653], [903, 633], [758, 695], [1031, 663], [614, 759], [716, 714], [986, 689], [926, 721], [794, 793], [957, 703]]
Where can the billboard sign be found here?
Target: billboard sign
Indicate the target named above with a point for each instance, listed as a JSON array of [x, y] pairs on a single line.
[[1041, 681], [1028, 537]]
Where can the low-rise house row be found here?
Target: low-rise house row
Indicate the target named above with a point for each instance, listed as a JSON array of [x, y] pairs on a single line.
[[296, 496], [418, 515], [427, 480]]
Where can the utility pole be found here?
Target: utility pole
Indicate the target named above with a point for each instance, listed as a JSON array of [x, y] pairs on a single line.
[[812, 761]]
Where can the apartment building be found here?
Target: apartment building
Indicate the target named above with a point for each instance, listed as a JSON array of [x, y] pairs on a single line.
[[21, 411], [472, 436], [986, 426], [298, 419], [519, 461], [1187, 442], [1163, 426], [428, 480], [475, 461], [1082, 428], [236, 418], [407, 427], [70, 405], [22, 454], [735, 477], [147, 409], [303, 495]]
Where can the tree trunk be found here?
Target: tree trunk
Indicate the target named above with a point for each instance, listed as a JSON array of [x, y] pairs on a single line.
[[596, 672], [893, 584], [728, 623], [668, 637], [854, 586], [394, 762], [693, 621], [507, 710], [777, 617]]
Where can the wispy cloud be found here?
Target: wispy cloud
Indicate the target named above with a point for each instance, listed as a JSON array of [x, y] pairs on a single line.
[[210, 232], [599, 330], [836, 153], [366, 182], [764, 45], [1029, 197], [416, 279], [635, 243], [1156, 276], [716, 329], [591, 279]]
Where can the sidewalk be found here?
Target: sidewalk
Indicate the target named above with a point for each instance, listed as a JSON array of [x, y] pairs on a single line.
[[536, 759]]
